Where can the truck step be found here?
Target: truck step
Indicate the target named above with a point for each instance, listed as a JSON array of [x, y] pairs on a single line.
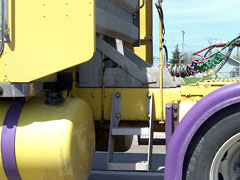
[[128, 166], [156, 141], [115, 130], [122, 131]]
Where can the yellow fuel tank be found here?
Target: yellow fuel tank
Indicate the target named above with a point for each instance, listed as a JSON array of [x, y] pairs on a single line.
[[52, 143]]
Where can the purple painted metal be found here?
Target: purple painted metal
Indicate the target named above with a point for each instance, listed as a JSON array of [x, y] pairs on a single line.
[[191, 122], [175, 116], [172, 111], [8, 140], [168, 125]]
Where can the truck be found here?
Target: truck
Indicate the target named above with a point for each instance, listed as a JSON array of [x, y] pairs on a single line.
[[78, 77]]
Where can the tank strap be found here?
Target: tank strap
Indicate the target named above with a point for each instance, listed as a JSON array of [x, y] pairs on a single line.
[[8, 140]]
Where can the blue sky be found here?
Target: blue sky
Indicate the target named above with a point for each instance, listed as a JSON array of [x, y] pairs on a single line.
[[201, 20]]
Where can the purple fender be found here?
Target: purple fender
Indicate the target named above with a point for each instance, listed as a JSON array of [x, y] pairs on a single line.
[[191, 122]]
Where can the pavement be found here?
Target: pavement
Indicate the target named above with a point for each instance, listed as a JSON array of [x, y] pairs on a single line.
[[136, 153]]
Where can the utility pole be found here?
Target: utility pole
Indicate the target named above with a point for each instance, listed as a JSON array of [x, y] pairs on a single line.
[[183, 38]]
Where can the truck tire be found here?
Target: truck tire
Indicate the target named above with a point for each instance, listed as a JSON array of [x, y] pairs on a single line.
[[214, 152]]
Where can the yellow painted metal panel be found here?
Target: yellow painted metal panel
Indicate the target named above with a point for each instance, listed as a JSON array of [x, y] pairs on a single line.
[[134, 102], [48, 36], [199, 90], [53, 143], [145, 51]]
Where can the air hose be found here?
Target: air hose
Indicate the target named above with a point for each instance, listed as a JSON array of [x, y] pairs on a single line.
[[209, 65]]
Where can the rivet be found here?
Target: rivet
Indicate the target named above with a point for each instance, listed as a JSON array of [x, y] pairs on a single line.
[[118, 115]]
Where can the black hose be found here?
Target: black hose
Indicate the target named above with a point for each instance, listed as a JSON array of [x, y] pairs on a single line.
[[166, 53], [205, 55], [140, 7], [161, 16]]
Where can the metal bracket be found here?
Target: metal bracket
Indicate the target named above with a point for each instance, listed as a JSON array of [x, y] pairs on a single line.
[[1, 25], [6, 28], [151, 128], [115, 120], [8, 139], [124, 62], [172, 120], [20, 89], [116, 109]]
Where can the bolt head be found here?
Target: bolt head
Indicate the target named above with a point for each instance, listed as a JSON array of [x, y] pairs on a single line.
[[118, 95], [93, 94], [118, 115], [149, 115], [149, 95]]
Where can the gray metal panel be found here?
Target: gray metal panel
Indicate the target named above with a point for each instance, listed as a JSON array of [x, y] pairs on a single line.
[[123, 61], [90, 72], [21, 89], [119, 78], [114, 26], [115, 9], [129, 5]]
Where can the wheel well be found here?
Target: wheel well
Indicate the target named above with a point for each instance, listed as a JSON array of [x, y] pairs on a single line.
[[211, 121]]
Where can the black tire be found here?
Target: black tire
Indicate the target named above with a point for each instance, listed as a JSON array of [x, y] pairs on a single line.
[[208, 140]]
